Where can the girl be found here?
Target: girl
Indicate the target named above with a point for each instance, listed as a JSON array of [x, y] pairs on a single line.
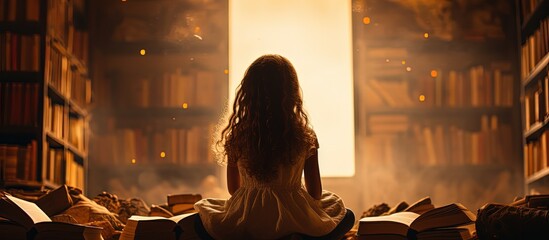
[[267, 145]]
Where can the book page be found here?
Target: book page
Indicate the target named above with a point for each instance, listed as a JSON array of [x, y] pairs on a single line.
[[445, 216], [149, 218], [32, 210], [402, 217], [178, 218], [396, 223]]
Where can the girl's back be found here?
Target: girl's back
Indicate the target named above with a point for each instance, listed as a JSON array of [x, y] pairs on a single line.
[[267, 145]]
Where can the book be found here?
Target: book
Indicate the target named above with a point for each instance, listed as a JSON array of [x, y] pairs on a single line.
[[19, 214], [160, 211], [450, 220], [540, 201], [179, 227], [420, 206], [56, 201], [182, 203]]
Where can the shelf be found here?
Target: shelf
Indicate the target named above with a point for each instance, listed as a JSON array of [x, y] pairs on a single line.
[[57, 142], [432, 45], [18, 134], [536, 130], [168, 169], [18, 183], [537, 71], [22, 27], [79, 155], [20, 76], [59, 98], [189, 175], [55, 95], [188, 46], [75, 108], [531, 22], [163, 117], [54, 141], [538, 176], [136, 65], [22, 130], [450, 172], [74, 61], [429, 111]]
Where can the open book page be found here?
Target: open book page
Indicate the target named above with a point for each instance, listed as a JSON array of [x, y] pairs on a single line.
[[149, 218], [460, 232], [420, 206], [178, 218], [446, 216], [30, 210], [396, 223]]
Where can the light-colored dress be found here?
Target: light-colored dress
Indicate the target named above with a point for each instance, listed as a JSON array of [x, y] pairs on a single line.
[[271, 210]]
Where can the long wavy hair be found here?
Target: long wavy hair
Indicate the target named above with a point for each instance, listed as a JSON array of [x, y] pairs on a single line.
[[268, 125]]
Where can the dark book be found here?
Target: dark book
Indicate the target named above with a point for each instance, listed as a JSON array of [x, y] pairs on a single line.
[[55, 201], [420, 206], [182, 203], [540, 201], [452, 221], [179, 227], [21, 214]]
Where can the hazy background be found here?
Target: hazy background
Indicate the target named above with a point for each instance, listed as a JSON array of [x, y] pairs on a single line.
[[149, 59]]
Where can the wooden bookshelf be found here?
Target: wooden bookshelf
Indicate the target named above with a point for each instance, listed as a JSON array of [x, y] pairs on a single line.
[[533, 26], [156, 109], [44, 87], [439, 105]]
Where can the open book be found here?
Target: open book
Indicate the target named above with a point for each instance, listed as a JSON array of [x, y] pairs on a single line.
[[24, 217], [452, 221], [182, 203], [179, 227]]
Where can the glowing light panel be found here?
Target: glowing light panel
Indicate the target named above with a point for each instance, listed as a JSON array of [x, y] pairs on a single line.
[[315, 35]]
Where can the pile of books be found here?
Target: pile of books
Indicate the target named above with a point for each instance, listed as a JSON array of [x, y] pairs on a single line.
[[31, 219], [421, 220]]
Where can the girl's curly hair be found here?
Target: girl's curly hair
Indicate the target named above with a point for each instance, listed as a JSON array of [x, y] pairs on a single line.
[[268, 126]]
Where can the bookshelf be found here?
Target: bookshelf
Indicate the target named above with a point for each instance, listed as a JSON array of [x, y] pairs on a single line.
[[44, 94], [438, 101], [159, 92], [533, 28]]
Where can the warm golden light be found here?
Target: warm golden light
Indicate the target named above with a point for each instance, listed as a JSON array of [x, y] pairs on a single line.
[[366, 20], [426, 35], [403, 62], [315, 35], [162, 154], [387, 60], [434, 73], [185, 105], [409, 69], [422, 98], [197, 29], [142, 52], [133, 159], [226, 71]]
